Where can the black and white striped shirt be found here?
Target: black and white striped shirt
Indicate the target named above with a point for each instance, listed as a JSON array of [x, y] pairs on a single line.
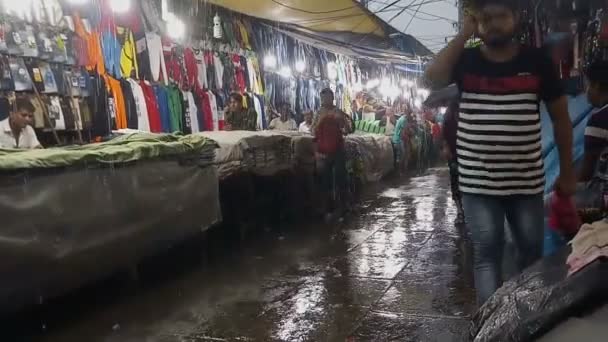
[[499, 134]]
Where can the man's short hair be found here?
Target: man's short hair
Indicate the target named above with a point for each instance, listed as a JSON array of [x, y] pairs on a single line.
[[24, 105], [597, 73], [510, 4], [237, 97]]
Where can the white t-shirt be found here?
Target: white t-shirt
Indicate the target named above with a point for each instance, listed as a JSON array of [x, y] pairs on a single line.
[[304, 128], [278, 125], [27, 138], [143, 122]]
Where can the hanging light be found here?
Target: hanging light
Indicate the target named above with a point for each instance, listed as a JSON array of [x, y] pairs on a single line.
[[442, 110], [332, 70], [270, 61], [300, 66], [418, 103], [285, 72], [175, 27], [120, 6]]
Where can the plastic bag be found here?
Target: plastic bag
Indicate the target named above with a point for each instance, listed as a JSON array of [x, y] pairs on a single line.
[[529, 305]]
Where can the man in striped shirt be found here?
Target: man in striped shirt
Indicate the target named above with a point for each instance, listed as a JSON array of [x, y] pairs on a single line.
[[499, 137], [596, 132]]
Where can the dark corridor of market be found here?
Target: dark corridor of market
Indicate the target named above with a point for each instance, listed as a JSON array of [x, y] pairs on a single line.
[[397, 270]]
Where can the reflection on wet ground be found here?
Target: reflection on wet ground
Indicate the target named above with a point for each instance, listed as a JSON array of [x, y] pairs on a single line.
[[397, 271]]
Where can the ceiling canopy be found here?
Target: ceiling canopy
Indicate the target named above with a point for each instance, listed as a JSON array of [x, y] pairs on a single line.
[[317, 15]]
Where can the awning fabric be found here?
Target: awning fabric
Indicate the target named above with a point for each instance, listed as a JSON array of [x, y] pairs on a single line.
[[317, 15]]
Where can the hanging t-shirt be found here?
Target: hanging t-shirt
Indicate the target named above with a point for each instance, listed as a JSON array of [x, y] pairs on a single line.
[[191, 67], [120, 112], [111, 53], [151, 107], [128, 53], [156, 57], [215, 112], [192, 111], [201, 66], [175, 109], [143, 121], [219, 71], [207, 112], [258, 109], [48, 78], [20, 75], [162, 99], [56, 113], [186, 116]]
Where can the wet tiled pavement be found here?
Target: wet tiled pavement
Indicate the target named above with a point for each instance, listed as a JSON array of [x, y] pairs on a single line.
[[396, 271]]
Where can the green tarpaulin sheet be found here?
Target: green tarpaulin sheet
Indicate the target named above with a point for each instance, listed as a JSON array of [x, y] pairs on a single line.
[[123, 149]]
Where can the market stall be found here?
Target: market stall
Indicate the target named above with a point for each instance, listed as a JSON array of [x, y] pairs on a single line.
[[73, 215]]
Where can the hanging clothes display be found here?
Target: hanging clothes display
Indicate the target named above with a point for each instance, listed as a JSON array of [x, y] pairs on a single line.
[[156, 57], [152, 107]]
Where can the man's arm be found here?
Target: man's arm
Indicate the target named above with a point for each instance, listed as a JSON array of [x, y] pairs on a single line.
[[441, 71], [562, 128], [34, 143]]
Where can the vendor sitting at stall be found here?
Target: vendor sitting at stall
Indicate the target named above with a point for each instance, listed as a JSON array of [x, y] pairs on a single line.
[[306, 125], [596, 133], [239, 118], [284, 122], [16, 131]]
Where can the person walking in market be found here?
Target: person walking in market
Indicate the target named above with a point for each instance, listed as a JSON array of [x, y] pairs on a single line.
[[239, 118], [498, 136], [329, 128]]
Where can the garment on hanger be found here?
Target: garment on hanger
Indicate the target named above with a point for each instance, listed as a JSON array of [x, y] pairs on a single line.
[[98, 102], [175, 109], [162, 99], [219, 70], [192, 111], [128, 53], [120, 111], [68, 115], [201, 66], [218, 122], [152, 107], [56, 113], [130, 104], [111, 53], [156, 57], [143, 121]]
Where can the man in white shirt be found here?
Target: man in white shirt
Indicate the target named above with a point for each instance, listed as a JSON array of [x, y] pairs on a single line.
[[284, 122], [306, 124], [16, 131]]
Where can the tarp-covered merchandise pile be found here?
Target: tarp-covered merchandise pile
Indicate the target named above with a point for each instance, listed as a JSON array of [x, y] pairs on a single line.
[[71, 215], [533, 303], [261, 153]]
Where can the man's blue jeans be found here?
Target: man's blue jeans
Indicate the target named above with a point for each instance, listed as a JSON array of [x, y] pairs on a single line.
[[485, 220]]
